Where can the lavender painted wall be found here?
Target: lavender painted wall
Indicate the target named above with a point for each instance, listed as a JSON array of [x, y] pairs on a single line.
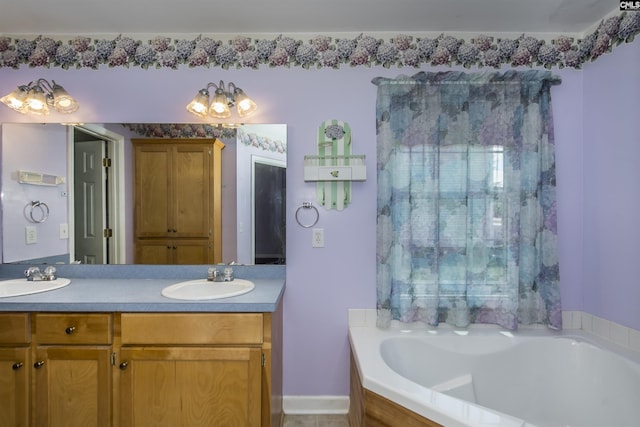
[[322, 283], [48, 149], [611, 194], [567, 111]]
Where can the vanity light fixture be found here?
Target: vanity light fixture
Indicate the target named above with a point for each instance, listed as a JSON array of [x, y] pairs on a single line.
[[224, 98], [37, 96]]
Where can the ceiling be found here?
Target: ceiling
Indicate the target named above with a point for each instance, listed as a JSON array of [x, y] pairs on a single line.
[[91, 17]]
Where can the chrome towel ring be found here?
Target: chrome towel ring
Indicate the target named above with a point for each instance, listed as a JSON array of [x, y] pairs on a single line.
[[37, 211], [307, 205]]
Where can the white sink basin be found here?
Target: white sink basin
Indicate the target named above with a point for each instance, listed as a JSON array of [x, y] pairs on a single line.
[[19, 287], [202, 289]]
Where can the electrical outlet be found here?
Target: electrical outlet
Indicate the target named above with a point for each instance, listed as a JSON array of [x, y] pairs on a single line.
[[64, 231], [317, 236], [31, 234]]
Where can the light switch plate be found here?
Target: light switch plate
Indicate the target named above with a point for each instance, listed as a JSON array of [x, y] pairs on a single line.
[[317, 238], [31, 235], [64, 231]]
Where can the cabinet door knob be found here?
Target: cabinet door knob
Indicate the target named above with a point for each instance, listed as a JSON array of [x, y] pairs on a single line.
[[17, 366], [70, 330], [124, 365], [174, 230], [39, 364]]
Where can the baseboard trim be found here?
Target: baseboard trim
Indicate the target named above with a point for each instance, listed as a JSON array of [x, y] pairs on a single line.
[[315, 404]]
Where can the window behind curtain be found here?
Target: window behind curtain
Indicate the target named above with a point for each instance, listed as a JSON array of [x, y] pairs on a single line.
[[466, 199]]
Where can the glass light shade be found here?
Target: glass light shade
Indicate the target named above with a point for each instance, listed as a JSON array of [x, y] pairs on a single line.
[[37, 102], [62, 101], [244, 104], [200, 104], [16, 100], [220, 107], [224, 98]]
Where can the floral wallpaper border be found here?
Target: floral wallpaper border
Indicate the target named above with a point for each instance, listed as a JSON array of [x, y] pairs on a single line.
[[181, 130], [204, 130], [261, 142], [320, 51]]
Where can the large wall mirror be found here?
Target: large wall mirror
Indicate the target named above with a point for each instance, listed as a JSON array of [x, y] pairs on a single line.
[[47, 186]]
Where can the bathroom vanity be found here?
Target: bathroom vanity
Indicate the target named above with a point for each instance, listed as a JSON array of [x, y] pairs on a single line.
[[114, 352]]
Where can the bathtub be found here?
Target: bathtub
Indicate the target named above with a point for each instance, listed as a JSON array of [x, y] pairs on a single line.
[[486, 376]]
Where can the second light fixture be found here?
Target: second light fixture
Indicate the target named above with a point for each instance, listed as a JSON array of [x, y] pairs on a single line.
[[224, 98]]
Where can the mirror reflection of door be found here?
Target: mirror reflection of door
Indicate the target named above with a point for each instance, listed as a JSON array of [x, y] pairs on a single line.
[[269, 210], [90, 200]]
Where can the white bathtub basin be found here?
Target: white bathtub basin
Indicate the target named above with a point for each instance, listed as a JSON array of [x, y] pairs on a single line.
[[494, 378], [202, 289], [20, 287]]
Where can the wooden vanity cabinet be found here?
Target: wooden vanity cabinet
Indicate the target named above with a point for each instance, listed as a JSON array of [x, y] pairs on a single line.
[[15, 339], [72, 369], [177, 193], [141, 369], [199, 369]]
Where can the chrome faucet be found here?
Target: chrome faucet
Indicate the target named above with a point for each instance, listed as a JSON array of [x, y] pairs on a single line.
[[33, 274], [228, 274], [214, 275]]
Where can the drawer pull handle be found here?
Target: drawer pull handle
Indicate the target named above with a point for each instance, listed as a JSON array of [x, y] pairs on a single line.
[[124, 365], [17, 366], [70, 330], [39, 364]]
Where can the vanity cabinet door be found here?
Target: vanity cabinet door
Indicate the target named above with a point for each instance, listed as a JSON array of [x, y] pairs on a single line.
[[14, 387], [72, 386], [72, 369], [190, 386], [15, 336]]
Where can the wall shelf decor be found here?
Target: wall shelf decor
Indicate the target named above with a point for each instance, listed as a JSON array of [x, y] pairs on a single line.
[[37, 178], [334, 167]]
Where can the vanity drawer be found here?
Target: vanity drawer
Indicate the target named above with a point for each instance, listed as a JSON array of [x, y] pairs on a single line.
[[14, 328], [191, 329], [65, 328]]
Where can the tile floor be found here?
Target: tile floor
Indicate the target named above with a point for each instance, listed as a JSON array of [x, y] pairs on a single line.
[[315, 421]]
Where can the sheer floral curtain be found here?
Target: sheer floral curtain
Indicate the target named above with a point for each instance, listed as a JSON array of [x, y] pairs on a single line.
[[467, 199]]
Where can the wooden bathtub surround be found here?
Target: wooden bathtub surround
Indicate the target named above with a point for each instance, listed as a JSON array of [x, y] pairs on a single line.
[[141, 369], [368, 409]]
